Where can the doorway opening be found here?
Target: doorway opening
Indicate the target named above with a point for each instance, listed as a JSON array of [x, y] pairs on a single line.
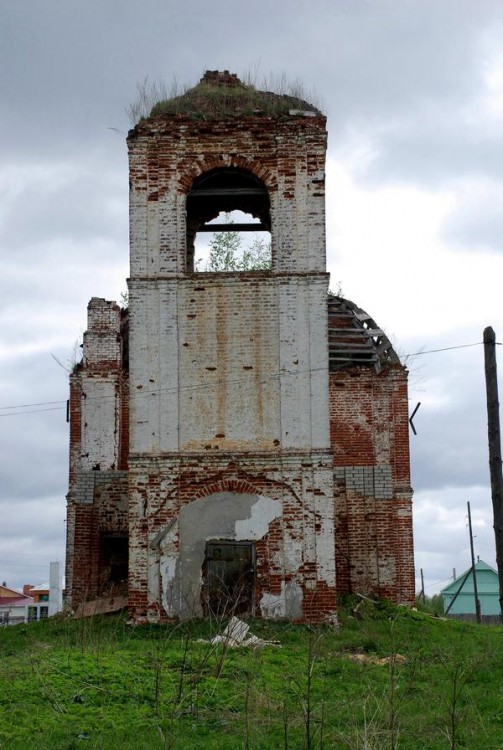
[[114, 563], [229, 578]]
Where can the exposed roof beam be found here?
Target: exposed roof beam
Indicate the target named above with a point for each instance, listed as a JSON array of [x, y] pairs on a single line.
[[225, 192], [259, 227]]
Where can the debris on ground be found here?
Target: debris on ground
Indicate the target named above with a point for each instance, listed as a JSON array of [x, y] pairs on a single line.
[[370, 659], [102, 606], [235, 635]]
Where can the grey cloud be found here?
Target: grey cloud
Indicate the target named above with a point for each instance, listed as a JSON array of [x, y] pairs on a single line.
[[450, 449], [43, 311], [476, 221], [445, 453], [434, 148], [33, 446], [393, 57], [33, 376], [377, 59], [50, 511], [86, 203], [41, 439]]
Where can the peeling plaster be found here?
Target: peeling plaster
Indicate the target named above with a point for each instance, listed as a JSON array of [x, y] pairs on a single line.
[[288, 604], [224, 515], [263, 511], [167, 564]]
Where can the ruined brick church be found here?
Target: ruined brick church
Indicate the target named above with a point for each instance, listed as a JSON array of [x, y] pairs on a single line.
[[238, 440]]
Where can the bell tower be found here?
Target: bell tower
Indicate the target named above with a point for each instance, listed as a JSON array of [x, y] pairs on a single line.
[[230, 467]]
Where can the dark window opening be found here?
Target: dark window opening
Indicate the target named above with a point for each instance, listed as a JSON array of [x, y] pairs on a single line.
[[114, 563], [229, 578], [222, 192]]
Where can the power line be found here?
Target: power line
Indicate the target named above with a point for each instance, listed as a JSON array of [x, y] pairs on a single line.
[[430, 585], [178, 388], [41, 403], [32, 411], [445, 349]]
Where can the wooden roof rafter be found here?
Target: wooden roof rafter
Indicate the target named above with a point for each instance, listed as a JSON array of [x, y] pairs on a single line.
[[355, 339]]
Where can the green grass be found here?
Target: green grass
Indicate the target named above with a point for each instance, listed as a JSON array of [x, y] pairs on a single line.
[[210, 101], [99, 683]]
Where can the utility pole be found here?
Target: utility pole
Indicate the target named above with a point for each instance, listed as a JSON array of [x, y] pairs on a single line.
[[494, 437], [474, 573]]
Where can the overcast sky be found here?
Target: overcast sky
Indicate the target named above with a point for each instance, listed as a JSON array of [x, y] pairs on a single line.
[[413, 91]]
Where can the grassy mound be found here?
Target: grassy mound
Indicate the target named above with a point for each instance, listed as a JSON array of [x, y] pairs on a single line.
[[214, 102], [390, 678]]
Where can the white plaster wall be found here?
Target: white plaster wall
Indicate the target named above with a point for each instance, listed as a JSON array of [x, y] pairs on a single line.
[[153, 366], [100, 422], [316, 232], [169, 382], [318, 362], [144, 418], [138, 209], [301, 205], [303, 364], [228, 363], [299, 216], [55, 593]]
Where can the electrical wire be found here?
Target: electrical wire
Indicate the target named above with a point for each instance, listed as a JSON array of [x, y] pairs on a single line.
[[436, 583], [158, 391], [25, 406], [447, 348], [32, 411]]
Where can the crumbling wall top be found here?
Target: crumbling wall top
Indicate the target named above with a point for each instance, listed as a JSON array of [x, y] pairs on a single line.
[[222, 95], [221, 78], [102, 340]]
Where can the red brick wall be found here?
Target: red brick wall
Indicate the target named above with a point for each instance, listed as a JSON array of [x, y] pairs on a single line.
[[374, 550], [165, 493], [108, 514], [369, 429]]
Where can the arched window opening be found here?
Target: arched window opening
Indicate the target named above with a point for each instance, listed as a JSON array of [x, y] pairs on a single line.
[[228, 222], [223, 247]]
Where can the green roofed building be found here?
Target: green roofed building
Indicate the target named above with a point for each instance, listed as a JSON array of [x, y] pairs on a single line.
[[487, 589]]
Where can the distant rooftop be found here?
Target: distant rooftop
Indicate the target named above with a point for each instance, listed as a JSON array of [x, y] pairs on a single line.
[[488, 576], [41, 587]]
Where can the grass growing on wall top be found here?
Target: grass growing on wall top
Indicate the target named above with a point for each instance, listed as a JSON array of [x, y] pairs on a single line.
[[208, 101], [393, 679]]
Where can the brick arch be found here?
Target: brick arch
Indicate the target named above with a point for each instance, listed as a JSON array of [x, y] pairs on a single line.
[[275, 489], [223, 161], [196, 489], [240, 486]]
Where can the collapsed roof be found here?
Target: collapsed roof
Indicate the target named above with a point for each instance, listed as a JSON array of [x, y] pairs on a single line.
[[354, 338]]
